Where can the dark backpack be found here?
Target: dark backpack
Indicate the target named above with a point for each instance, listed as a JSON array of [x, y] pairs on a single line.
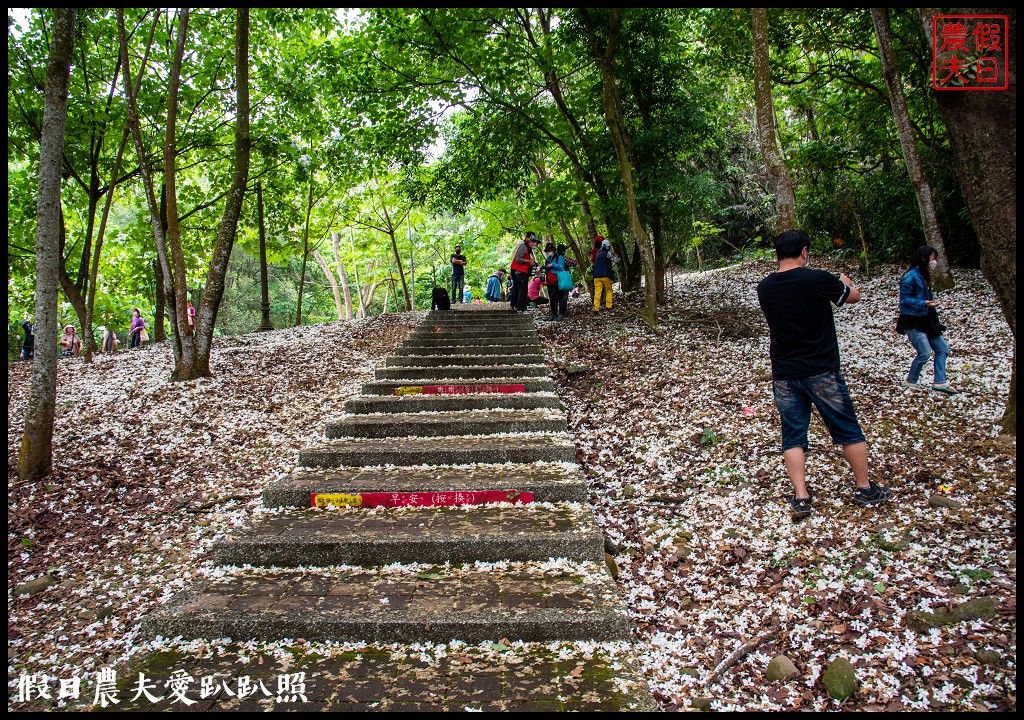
[[440, 300]]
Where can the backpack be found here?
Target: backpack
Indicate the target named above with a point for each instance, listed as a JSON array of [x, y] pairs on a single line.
[[440, 299]]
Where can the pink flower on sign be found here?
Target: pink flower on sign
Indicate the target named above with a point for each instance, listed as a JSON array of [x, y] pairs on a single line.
[[748, 410]]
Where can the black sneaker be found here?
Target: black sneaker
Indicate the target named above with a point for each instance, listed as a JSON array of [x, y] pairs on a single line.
[[874, 494], [801, 507]]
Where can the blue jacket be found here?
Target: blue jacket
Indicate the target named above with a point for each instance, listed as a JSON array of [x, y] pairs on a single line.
[[493, 291], [914, 292], [602, 264], [556, 263]]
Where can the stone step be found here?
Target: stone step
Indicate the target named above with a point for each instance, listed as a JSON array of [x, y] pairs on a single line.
[[443, 339], [500, 311], [546, 481], [448, 403], [473, 603], [486, 422], [504, 317], [460, 335], [533, 348], [459, 450], [457, 360], [476, 374], [388, 387], [434, 535]]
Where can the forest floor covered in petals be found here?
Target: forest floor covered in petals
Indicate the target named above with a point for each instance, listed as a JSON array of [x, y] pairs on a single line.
[[678, 436]]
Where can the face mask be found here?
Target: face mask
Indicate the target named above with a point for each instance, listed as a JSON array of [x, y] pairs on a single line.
[[932, 264]]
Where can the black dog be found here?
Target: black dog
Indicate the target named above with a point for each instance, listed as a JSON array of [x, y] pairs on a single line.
[[439, 299]]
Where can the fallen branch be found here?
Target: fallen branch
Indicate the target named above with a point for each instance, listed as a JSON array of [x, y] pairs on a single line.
[[741, 652]]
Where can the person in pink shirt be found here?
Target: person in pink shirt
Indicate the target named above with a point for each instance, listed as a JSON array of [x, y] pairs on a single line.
[[191, 318]]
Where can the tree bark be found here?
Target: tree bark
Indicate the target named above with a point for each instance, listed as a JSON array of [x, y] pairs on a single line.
[[398, 258], [184, 368], [615, 121], [213, 293], [941, 277], [767, 129], [305, 253], [265, 323], [36, 456], [147, 177], [335, 290], [346, 290], [983, 136]]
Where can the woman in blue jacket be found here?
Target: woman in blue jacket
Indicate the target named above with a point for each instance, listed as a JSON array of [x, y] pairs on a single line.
[[919, 321]]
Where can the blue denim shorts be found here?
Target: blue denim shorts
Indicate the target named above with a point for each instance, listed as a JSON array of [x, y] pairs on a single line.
[[829, 394]]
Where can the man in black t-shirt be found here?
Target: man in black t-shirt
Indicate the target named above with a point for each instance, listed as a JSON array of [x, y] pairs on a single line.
[[458, 273], [797, 303]]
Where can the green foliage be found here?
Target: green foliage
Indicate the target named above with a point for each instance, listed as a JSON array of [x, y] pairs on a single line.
[[413, 130]]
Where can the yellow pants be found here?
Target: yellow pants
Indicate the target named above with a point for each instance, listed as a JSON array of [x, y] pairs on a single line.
[[602, 286]]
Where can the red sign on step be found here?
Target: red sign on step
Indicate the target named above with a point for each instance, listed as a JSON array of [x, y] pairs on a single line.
[[418, 499], [458, 389]]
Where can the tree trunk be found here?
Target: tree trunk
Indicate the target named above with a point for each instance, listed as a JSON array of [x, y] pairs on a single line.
[[213, 293], [335, 290], [767, 130], [615, 121], [982, 134], [305, 254], [346, 291], [36, 456], [398, 258], [159, 331], [265, 323], [941, 277], [184, 368], [660, 256], [90, 302], [155, 209]]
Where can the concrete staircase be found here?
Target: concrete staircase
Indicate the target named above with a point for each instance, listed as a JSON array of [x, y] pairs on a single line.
[[433, 563]]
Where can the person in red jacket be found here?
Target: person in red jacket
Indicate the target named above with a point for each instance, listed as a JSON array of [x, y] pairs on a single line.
[[523, 264]]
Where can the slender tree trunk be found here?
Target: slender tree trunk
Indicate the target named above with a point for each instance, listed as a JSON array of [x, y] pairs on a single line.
[[941, 277], [90, 303], [412, 258], [184, 369], [265, 323], [398, 258], [767, 129], [159, 331], [615, 121], [335, 290], [361, 311], [213, 293], [36, 456], [164, 300], [982, 133], [346, 291], [305, 254], [159, 230]]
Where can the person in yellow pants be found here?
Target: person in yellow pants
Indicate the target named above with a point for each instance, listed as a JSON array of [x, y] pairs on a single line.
[[603, 276]]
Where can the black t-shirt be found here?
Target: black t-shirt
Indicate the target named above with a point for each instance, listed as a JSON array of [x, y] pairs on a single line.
[[457, 270], [796, 304]]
